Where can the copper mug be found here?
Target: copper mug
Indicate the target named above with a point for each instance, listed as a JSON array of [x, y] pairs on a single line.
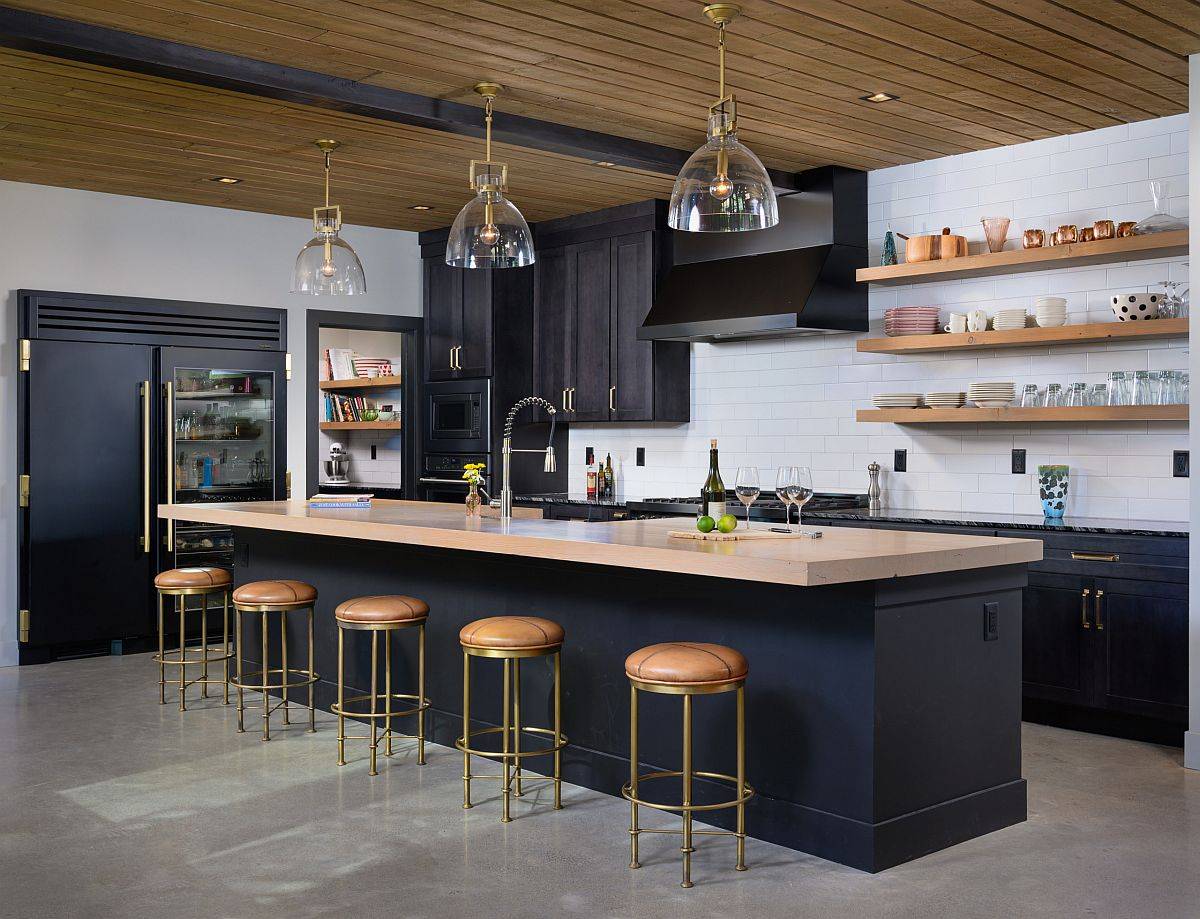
[[1033, 239], [1104, 229], [1125, 228], [1087, 235], [1068, 233]]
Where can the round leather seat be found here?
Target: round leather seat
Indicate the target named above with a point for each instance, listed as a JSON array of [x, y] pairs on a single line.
[[191, 578], [282, 593], [512, 633], [382, 610], [686, 663]]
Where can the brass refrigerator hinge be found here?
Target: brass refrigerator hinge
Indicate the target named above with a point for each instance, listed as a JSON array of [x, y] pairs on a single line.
[[23, 625], [23, 491], [287, 484], [287, 365], [26, 348]]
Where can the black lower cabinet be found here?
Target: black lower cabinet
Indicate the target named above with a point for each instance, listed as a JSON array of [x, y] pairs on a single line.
[[1056, 666]]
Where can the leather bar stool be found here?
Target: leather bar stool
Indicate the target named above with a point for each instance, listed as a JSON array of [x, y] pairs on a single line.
[[511, 639], [181, 583], [687, 669], [282, 597], [381, 614]]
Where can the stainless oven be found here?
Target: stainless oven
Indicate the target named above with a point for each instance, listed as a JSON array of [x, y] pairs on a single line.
[[441, 476], [456, 417]]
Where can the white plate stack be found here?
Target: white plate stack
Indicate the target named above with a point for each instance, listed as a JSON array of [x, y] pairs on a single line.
[[945, 399], [1050, 311], [898, 400], [992, 395], [1007, 320], [911, 320]]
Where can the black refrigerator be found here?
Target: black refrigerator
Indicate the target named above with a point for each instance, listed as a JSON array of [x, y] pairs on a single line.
[[125, 403]]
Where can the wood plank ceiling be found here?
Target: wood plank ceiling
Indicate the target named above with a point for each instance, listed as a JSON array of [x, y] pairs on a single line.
[[969, 75]]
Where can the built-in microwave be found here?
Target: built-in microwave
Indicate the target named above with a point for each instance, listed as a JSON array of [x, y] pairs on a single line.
[[457, 416]]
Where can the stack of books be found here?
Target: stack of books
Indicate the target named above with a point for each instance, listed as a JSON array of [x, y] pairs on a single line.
[[345, 408], [341, 502]]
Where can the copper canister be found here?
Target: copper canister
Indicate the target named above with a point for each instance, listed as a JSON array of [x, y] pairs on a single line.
[[1033, 239], [1087, 235], [1104, 229], [1068, 233], [1125, 228]]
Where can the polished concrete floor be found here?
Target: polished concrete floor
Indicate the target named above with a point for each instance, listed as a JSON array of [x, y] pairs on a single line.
[[114, 807]]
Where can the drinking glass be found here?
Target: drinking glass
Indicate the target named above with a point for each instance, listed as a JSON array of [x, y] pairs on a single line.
[[1184, 390], [1118, 388], [1077, 395], [1029, 396], [1143, 392], [801, 492], [1099, 394], [747, 488], [1053, 397], [1165, 390], [785, 478]]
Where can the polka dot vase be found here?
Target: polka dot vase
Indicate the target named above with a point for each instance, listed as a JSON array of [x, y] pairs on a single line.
[[1136, 307], [1052, 486]]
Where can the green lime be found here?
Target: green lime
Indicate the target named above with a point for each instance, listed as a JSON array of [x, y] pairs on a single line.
[[727, 524], [705, 524]]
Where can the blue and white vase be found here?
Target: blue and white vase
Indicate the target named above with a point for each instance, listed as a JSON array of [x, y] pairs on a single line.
[[1052, 486]]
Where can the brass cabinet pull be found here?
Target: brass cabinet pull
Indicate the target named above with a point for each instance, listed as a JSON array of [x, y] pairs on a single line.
[[169, 397], [450, 360], [144, 392], [612, 398], [1083, 605], [458, 358], [1095, 556], [1099, 598], [571, 399], [564, 399]]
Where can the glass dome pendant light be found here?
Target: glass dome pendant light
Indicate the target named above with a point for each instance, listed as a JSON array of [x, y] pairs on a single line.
[[327, 264], [723, 187], [489, 232]]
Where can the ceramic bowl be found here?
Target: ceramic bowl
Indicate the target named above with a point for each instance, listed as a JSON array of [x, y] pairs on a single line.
[[386, 416], [1136, 305]]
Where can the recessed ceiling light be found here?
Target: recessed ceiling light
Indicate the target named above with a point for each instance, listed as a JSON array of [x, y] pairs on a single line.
[[605, 163], [225, 180], [880, 97], [421, 207]]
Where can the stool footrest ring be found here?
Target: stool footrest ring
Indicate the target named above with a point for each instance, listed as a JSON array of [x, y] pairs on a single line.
[[189, 661], [366, 697], [246, 683], [460, 744], [627, 793]]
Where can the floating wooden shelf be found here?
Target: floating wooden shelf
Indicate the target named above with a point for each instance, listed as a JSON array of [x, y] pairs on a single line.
[[360, 425], [1013, 261], [1022, 415], [361, 383], [1018, 338]]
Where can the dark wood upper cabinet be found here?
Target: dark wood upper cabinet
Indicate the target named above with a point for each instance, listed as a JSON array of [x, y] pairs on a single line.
[[632, 361], [474, 357], [443, 298], [588, 274], [550, 332]]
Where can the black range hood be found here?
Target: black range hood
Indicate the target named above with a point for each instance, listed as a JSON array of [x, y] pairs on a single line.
[[796, 278]]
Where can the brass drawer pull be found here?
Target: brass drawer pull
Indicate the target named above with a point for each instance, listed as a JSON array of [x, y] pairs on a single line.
[[1083, 605], [612, 398], [1095, 556], [1099, 599]]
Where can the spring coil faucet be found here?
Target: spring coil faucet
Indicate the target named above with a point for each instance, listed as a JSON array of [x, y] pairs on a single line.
[[506, 452]]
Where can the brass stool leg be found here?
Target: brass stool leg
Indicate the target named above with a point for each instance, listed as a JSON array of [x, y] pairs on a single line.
[[466, 729], [341, 696], [241, 699], [421, 694], [558, 730], [204, 645], [507, 736], [687, 849], [162, 668], [182, 605], [374, 697], [266, 699], [741, 778], [225, 643], [387, 692], [517, 722], [312, 710], [633, 777], [283, 646]]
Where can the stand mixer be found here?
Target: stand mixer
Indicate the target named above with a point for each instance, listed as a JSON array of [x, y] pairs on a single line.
[[337, 467]]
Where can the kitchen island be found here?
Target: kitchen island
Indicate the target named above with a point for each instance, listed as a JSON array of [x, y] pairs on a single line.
[[884, 696]]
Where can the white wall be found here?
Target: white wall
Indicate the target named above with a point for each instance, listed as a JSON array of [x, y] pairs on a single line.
[[68, 240], [793, 401], [1191, 753]]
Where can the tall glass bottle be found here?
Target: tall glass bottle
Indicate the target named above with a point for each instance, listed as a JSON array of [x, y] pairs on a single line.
[[712, 496]]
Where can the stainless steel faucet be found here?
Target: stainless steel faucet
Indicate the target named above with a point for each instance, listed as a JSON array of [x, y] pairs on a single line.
[[506, 452]]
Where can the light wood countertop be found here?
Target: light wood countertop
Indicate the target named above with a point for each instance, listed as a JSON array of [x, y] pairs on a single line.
[[843, 554]]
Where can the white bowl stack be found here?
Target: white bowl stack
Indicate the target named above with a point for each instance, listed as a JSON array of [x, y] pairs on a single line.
[[911, 320], [945, 399], [1050, 311], [992, 395], [898, 400], [1007, 320]]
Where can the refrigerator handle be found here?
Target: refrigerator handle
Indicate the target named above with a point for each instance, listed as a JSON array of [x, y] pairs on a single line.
[[169, 439], [147, 497]]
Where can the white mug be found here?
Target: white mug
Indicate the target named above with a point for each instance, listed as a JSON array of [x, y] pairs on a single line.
[[977, 320], [958, 323]]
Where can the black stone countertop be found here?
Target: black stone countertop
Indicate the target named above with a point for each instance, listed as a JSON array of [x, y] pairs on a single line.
[[567, 498], [1066, 524]]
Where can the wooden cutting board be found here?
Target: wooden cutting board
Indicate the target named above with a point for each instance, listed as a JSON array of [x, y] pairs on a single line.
[[734, 536]]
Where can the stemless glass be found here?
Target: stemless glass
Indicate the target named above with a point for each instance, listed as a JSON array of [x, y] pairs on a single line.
[[747, 488], [1099, 394], [1053, 397], [1118, 388], [785, 478], [1029, 396], [1077, 395], [1143, 392], [801, 492]]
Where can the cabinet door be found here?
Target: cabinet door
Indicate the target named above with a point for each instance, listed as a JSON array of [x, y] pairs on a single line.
[[632, 361], [589, 280], [551, 306], [1055, 646], [443, 317], [475, 338], [1142, 648]]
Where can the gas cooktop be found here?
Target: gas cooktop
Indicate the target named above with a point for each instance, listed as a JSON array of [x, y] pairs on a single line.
[[764, 508]]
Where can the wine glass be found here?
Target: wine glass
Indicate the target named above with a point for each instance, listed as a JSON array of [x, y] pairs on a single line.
[[784, 479], [747, 488], [801, 492]]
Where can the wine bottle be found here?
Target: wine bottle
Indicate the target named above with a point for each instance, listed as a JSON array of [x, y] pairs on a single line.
[[712, 496], [609, 489], [592, 477]]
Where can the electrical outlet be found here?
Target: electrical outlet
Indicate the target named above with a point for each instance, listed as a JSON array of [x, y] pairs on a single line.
[[1018, 462], [991, 621], [900, 461], [641, 456], [373, 451], [1181, 464]]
